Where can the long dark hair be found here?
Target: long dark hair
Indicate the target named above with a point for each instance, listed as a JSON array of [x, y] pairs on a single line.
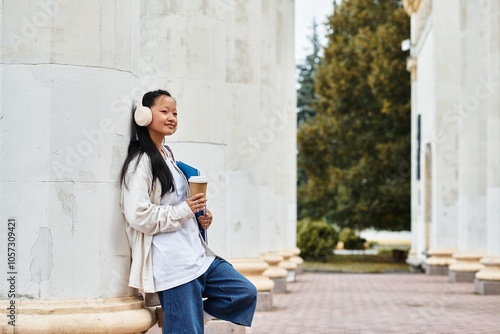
[[141, 143]]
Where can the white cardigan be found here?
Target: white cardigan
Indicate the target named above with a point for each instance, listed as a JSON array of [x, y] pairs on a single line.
[[140, 204]]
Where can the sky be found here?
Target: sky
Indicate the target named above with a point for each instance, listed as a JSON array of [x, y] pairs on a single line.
[[305, 11]]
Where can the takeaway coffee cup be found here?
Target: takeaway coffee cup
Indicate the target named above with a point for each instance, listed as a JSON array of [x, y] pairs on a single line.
[[198, 184]]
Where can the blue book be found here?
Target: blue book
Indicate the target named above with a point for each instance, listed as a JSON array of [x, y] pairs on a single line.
[[189, 171]]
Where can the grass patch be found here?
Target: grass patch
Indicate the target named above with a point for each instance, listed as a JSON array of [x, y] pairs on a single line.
[[357, 264]]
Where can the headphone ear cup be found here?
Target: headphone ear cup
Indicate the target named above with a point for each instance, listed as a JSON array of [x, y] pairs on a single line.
[[143, 115]]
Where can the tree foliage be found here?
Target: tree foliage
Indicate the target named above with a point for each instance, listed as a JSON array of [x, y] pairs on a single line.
[[306, 95], [306, 79], [355, 151]]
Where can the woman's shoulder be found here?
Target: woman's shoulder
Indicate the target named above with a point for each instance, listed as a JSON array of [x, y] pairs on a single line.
[[141, 162], [168, 152]]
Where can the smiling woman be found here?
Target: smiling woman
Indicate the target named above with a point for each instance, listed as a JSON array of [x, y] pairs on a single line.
[[170, 259]]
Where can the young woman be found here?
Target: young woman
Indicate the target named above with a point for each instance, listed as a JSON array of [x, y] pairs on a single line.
[[169, 257]]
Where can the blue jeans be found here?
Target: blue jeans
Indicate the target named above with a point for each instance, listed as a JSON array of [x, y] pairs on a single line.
[[229, 296]]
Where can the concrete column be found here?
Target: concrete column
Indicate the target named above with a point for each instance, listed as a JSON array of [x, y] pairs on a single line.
[[423, 74], [250, 197], [67, 72], [433, 200], [244, 118], [443, 151], [488, 279], [415, 257], [472, 137], [444, 163], [182, 50], [276, 135]]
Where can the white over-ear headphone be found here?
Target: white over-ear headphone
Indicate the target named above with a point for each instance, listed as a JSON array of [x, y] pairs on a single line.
[[142, 115]]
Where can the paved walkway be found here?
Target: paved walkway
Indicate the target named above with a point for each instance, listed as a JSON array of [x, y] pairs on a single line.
[[378, 303], [330, 303]]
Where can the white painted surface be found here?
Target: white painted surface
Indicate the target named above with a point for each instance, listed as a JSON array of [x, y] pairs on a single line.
[[445, 22], [66, 93], [456, 88], [230, 65], [472, 136], [493, 105], [60, 156]]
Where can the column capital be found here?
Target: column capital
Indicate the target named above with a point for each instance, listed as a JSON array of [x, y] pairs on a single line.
[[411, 6]]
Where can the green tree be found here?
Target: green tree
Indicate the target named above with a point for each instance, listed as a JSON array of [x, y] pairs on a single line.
[[306, 90], [306, 79], [357, 147]]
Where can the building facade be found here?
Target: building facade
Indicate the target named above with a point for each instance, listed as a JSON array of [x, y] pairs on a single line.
[[455, 65]]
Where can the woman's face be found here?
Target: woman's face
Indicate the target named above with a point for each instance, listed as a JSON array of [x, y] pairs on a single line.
[[164, 121]]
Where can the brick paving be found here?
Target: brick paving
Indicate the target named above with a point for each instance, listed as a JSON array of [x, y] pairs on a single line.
[[320, 303]]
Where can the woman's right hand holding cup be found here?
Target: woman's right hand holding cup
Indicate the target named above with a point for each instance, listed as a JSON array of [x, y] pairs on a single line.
[[197, 202]]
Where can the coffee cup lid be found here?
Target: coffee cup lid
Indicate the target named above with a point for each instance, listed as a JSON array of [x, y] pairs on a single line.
[[198, 179]]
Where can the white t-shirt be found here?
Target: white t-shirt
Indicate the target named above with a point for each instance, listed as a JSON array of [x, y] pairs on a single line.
[[178, 257]]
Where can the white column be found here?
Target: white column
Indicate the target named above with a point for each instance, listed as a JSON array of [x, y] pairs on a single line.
[[66, 74], [445, 17], [415, 257], [277, 134], [488, 279], [444, 152], [472, 140], [244, 120], [183, 51], [260, 73], [248, 195]]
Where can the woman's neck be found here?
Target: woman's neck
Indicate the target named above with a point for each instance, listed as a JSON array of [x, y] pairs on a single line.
[[157, 141]]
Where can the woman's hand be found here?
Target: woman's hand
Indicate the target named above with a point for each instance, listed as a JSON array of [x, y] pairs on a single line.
[[197, 202], [206, 219]]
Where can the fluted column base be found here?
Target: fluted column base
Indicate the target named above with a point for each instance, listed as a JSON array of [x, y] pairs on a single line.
[[465, 267], [253, 269], [95, 316], [439, 261], [276, 273], [487, 280], [414, 262], [290, 266], [297, 260]]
